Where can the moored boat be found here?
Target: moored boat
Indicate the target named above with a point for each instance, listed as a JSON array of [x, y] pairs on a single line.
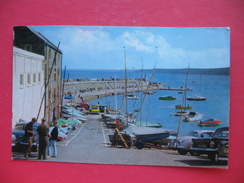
[[132, 97], [149, 93], [167, 98], [183, 107], [181, 113], [209, 122], [197, 98], [192, 116]]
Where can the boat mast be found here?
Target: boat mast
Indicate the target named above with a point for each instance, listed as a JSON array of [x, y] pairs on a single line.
[[115, 95], [183, 101], [62, 96], [126, 99], [147, 88]]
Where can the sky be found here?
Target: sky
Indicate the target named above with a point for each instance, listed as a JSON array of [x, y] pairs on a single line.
[[113, 47]]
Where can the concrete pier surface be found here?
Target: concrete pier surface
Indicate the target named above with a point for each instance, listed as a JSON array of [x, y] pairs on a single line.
[[85, 90], [89, 143]]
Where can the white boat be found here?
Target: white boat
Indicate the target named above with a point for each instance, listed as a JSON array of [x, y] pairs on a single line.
[[193, 116], [132, 97], [197, 98]]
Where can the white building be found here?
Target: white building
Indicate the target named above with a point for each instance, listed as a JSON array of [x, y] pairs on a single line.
[[28, 85], [36, 76]]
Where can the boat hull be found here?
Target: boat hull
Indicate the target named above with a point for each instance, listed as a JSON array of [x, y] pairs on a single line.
[[183, 107], [146, 134], [196, 98], [168, 98], [209, 122]]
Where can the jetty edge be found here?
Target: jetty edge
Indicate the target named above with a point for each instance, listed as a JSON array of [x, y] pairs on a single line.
[[85, 90]]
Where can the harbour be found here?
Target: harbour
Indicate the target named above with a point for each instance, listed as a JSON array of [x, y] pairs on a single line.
[[215, 87], [89, 143]]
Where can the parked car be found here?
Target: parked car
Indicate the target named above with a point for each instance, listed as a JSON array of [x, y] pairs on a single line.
[[94, 110], [21, 141], [13, 140], [183, 144], [103, 108], [216, 147], [84, 105]]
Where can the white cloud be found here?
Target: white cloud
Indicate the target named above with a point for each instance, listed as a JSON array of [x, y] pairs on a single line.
[[87, 48]]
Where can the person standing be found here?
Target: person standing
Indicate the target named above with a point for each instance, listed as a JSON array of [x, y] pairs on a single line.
[[52, 140], [42, 131], [29, 134]]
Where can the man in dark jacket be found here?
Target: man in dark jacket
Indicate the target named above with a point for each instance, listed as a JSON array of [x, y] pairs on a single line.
[[42, 131], [52, 140], [29, 134]]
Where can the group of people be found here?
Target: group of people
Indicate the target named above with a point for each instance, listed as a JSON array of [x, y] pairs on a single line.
[[46, 139]]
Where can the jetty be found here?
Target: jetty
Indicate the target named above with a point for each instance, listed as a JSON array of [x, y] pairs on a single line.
[[85, 90]]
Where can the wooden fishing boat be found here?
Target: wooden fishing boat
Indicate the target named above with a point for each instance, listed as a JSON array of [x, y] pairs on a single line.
[[209, 122], [183, 107], [167, 98]]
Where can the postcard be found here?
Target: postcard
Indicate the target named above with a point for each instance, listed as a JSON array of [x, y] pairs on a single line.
[[150, 96]]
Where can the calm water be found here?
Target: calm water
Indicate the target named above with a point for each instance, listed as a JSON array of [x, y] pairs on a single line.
[[214, 87]]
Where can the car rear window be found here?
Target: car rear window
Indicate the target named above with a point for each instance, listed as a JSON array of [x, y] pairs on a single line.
[[224, 134], [19, 127]]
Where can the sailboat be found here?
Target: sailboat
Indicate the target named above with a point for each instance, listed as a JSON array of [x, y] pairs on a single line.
[[142, 133], [197, 97], [183, 105]]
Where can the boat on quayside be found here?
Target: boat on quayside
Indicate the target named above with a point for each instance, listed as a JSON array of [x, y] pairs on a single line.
[[144, 133]]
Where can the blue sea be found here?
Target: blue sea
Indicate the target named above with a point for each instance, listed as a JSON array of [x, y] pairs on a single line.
[[214, 87]]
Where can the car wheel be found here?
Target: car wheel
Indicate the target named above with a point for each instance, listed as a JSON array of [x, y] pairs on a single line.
[[139, 144], [194, 153], [213, 157], [182, 152]]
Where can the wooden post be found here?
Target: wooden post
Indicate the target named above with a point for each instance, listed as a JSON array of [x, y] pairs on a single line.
[[126, 145]]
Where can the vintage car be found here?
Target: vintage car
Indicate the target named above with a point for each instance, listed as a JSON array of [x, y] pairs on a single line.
[[13, 140], [21, 142], [103, 108], [216, 147], [84, 105], [183, 144], [94, 110]]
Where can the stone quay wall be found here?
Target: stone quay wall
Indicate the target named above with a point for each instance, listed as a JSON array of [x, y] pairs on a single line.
[[85, 90]]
